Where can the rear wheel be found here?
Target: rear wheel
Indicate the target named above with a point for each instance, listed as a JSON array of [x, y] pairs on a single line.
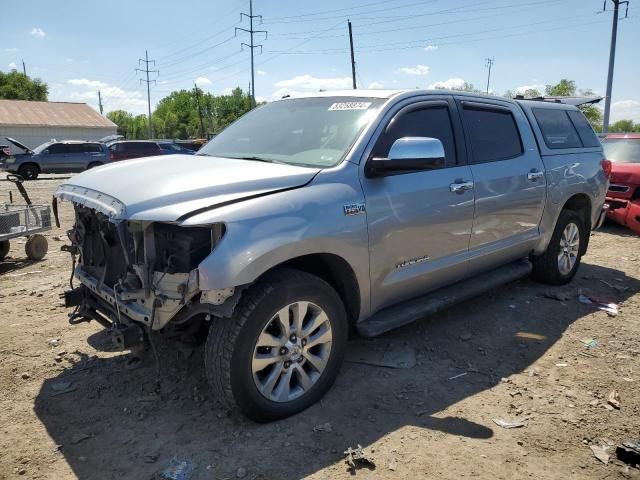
[[559, 264], [4, 249], [36, 247], [93, 165], [283, 348], [29, 171]]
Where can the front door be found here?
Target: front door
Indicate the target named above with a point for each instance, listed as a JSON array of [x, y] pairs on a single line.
[[53, 159], [419, 222], [509, 182]]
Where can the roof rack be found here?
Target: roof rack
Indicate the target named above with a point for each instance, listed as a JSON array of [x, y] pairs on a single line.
[[575, 101]]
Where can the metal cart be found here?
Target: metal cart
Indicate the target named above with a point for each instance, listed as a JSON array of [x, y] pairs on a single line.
[[27, 220]]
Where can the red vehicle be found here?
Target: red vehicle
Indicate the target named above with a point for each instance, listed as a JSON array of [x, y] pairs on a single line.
[[126, 149], [623, 197]]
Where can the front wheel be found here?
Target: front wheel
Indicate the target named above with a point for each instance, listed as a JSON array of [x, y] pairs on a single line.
[[559, 263], [29, 171], [283, 348]]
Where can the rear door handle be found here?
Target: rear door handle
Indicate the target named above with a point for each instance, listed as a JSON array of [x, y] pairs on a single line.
[[460, 187], [534, 175]]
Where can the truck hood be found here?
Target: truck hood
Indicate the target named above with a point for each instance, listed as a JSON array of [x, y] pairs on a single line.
[[170, 188]]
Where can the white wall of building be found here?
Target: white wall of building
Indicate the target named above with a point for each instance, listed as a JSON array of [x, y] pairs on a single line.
[[34, 136]]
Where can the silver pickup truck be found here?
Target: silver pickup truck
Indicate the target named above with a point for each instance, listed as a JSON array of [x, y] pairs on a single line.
[[313, 216]]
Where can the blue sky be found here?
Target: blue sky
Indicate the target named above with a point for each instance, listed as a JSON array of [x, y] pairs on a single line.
[[80, 47]]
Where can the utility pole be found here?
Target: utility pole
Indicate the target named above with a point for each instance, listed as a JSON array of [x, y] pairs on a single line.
[[251, 45], [489, 64], [612, 58], [100, 101], [197, 91], [353, 60], [146, 70], [24, 67]]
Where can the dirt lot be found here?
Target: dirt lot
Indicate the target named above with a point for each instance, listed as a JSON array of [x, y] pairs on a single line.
[[71, 408]]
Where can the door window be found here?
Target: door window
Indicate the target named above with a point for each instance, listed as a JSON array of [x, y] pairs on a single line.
[[492, 132], [434, 122], [58, 148]]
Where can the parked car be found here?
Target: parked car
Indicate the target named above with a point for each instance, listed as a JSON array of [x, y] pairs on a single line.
[[55, 157], [169, 147], [126, 149], [312, 216], [623, 197]]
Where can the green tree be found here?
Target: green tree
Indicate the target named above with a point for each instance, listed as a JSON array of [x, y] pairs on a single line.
[[567, 88], [622, 126], [18, 86]]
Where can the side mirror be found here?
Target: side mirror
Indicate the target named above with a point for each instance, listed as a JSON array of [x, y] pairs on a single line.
[[409, 154]]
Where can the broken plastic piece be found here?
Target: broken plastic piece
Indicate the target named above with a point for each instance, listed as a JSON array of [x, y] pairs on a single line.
[[356, 458]]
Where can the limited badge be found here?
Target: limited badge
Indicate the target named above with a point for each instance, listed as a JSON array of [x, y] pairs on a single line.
[[354, 209]]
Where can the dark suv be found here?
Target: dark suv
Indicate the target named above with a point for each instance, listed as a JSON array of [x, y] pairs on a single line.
[[127, 149], [54, 157]]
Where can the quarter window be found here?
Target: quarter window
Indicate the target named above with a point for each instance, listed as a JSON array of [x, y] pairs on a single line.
[[493, 133], [585, 131], [434, 122], [557, 129]]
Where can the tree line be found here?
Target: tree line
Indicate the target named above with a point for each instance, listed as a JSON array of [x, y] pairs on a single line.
[[195, 114]]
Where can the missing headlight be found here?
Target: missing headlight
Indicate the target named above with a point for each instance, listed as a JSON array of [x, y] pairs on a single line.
[[181, 249]]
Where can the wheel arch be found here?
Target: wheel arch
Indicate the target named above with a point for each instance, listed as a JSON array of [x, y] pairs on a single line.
[[582, 205]]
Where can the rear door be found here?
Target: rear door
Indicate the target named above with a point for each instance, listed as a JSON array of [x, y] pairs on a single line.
[[419, 223], [509, 182], [53, 158]]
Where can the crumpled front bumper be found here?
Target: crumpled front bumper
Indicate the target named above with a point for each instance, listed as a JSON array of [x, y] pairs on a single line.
[[625, 212]]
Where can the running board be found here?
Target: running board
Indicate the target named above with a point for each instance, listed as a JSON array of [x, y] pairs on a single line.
[[417, 308]]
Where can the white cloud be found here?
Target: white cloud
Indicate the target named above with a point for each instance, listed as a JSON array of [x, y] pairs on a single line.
[[85, 82], [37, 32], [520, 90], [203, 81], [428, 48], [69, 60], [260, 72], [375, 85], [417, 70], [13, 66], [451, 83], [309, 82], [11, 49], [625, 110]]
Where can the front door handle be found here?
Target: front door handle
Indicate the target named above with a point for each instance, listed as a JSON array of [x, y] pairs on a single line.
[[534, 175], [460, 187]]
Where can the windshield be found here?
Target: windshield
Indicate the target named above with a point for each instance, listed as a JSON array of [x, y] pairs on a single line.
[[38, 150], [622, 150], [314, 132]]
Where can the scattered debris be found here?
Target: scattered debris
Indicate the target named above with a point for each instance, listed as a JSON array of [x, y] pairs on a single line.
[[241, 472], [325, 427], [466, 336], [80, 437], [555, 295], [562, 365], [589, 342], [176, 470], [393, 465], [506, 424], [13, 275], [25, 376], [54, 342], [458, 376], [617, 288], [600, 452], [512, 306], [151, 457], [629, 452], [356, 458], [604, 305], [614, 399], [389, 355]]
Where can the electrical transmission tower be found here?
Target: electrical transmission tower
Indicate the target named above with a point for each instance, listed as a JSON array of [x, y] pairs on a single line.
[[146, 70], [489, 64], [612, 58], [251, 46]]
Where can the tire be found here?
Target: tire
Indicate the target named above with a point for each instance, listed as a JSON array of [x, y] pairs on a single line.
[[36, 247], [232, 349], [29, 171], [547, 267], [93, 165], [4, 249]]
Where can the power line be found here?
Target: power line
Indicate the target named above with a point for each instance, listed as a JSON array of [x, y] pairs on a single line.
[[146, 70], [252, 46], [612, 58]]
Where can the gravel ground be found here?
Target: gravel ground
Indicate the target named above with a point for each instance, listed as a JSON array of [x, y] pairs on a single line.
[[71, 408]]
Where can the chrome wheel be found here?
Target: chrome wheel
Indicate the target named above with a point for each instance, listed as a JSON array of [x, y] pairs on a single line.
[[292, 351], [569, 248]]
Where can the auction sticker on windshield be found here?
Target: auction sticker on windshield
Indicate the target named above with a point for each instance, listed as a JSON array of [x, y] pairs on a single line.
[[350, 106]]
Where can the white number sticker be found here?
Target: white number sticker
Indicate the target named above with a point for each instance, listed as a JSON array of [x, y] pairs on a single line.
[[350, 106]]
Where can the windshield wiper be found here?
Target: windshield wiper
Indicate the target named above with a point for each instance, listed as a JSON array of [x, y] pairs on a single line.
[[257, 159]]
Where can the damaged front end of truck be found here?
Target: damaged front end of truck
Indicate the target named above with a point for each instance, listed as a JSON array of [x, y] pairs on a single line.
[[136, 276]]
